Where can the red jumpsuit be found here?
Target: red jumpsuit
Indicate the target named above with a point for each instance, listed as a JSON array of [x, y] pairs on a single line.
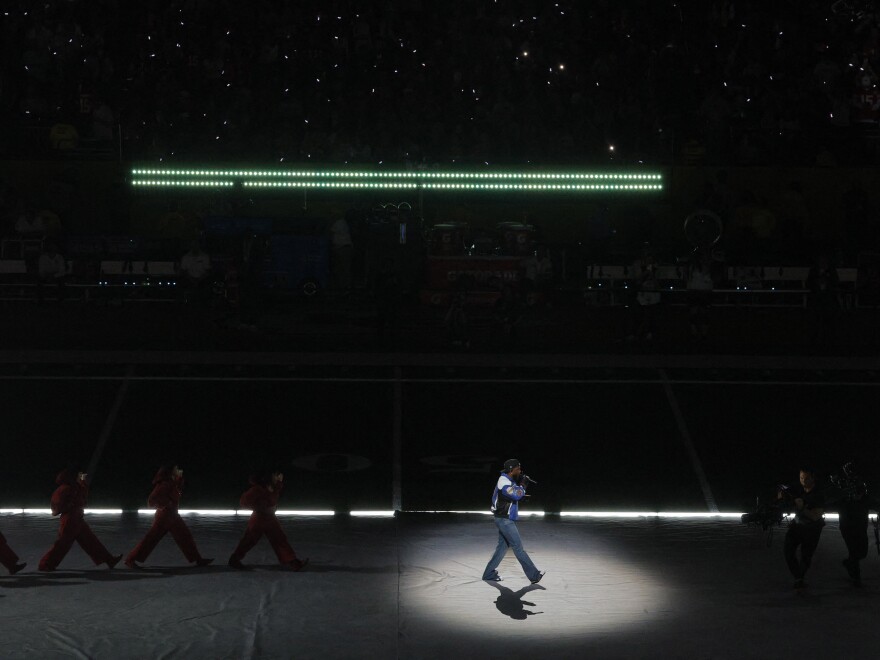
[[263, 502], [7, 557], [165, 498], [68, 501]]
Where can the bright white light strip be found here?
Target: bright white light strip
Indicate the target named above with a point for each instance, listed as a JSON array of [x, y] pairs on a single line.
[[315, 512], [679, 515], [468, 513], [48, 512], [529, 514], [241, 512], [196, 512], [647, 514]]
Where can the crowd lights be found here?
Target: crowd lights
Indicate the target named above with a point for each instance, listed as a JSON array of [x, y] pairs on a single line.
[[434, 181]]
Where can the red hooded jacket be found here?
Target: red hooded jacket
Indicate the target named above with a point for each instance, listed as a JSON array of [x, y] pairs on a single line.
[[71, 494], [166, 490], [259, 499]]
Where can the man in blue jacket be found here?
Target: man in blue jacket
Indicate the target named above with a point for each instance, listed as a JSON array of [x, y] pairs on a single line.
[[505, 508]]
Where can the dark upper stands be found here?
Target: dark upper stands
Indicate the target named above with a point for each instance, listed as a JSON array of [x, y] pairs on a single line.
[[418, 82]]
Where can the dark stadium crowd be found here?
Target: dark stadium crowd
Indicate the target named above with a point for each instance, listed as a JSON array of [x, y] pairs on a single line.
[[423, 83]]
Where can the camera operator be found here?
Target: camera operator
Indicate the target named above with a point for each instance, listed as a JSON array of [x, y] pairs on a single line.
[[850, 493], [509, 490], [806, 526]]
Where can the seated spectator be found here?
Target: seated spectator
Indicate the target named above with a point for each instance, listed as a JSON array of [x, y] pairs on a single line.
[[824, 286], [647, 298], [31, 231], [51, 270], [29, 225], [748, 277], [387, 292], [341, 255], [51, 223], [509, 314], [538, 270], [63, 137], [700, 284], [456, 323], [868, 283], [103, 121], [195, 269], [745, 279]]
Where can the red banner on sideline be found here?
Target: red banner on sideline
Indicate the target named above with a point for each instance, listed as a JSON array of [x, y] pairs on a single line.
[[444, 272]]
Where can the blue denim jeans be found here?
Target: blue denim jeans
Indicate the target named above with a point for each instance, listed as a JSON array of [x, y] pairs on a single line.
[[508, 537]]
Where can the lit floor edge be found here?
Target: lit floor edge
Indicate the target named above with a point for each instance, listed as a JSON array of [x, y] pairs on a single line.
[[676, 515]]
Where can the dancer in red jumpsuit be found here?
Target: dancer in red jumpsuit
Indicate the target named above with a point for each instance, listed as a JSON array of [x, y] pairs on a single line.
[[8, 558], [165, 498], [262, 499], [68, 501]]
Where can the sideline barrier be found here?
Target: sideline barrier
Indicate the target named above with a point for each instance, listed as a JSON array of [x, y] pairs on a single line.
[[768, 286], [143, 281], [157, 281]]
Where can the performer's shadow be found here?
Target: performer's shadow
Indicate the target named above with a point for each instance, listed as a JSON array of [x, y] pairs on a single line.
[[71, 577], [510, 603]]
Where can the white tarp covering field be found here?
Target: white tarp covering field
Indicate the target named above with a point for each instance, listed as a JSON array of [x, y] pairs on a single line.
[[410, 588]]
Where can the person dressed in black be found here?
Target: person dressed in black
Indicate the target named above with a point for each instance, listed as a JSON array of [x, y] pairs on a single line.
[[854, 504], [806, 526]]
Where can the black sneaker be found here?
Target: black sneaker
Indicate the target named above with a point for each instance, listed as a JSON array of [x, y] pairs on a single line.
[[538, 579], [298, 564], [15, 569], [494, 578], [799, 583], [235, 563]]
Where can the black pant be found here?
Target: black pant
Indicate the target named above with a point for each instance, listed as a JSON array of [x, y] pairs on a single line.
[[856, 539], [805, 536]]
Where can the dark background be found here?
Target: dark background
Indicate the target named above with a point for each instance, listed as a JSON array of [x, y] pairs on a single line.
[[590, 445]]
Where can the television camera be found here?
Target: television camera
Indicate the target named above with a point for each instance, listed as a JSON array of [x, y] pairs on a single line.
[[770, 513]]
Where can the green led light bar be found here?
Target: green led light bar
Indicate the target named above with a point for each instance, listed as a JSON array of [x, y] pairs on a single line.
[[449, 186], [441, 181], [399, 175], [182, 183]]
